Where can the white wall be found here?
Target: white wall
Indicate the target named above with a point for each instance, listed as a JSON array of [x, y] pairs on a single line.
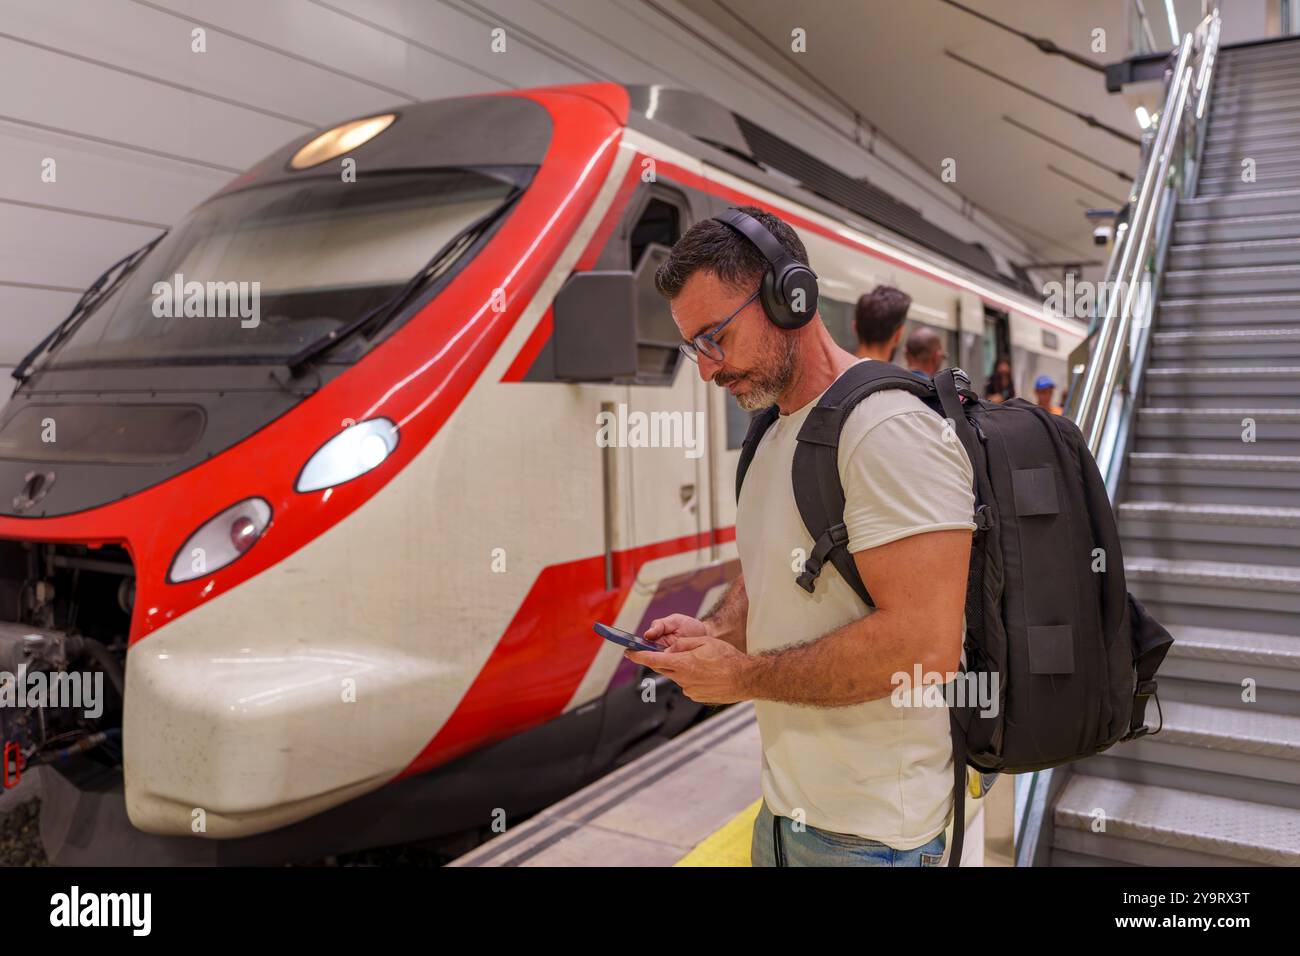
[[142, 128]]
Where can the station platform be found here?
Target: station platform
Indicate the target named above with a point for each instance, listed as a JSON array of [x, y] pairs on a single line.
[[690, 802]]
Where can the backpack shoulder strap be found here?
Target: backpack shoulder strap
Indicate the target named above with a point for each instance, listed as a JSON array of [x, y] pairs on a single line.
[[759, 423], [818, 491]]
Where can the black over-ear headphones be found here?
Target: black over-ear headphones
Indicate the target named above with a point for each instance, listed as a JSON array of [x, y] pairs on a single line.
[[787, 283]]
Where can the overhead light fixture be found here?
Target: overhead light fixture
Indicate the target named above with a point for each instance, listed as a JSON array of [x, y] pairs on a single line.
[[1144, 118], [341, 139]]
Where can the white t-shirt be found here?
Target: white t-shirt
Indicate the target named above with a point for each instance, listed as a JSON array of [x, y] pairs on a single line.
[[876, 770]]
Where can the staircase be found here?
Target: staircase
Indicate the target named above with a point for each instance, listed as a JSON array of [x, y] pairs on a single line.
[[1210, 520]]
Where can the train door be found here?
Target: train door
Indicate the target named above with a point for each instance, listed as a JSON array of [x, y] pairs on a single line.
[[997, 342], [666, 498]]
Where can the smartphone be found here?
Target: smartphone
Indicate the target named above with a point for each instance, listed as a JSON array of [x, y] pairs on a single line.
[[626, 639]]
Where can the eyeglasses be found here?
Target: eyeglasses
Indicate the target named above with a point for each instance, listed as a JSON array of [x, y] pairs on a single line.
[[705, 341]]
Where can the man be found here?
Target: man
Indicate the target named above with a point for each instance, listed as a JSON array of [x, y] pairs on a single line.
[[878, 320], [1044, 387], [925, 352], [848, 778]]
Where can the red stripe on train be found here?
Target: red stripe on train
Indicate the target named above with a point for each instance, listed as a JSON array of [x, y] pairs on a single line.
[[550, 643]]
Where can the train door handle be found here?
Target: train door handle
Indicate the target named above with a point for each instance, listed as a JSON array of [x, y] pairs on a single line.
[[687, 493]]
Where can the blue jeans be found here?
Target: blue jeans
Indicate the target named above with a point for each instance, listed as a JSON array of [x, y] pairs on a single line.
[[814, 847]]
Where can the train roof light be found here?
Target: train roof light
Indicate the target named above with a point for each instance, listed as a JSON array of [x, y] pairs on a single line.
[[341, 139]]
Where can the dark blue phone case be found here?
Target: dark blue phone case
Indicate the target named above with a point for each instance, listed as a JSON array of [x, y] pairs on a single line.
[[624, 638]]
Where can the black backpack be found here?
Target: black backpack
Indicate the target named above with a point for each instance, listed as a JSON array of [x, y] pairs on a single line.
[[1076, 654]]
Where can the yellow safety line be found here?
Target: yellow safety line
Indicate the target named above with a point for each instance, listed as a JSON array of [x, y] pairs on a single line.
[[729, 844]]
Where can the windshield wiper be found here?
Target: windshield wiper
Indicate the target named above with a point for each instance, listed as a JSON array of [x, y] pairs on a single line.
[[374, 319], [91, 297]]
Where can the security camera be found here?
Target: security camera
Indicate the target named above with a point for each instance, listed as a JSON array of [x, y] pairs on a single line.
[[1101, 235]]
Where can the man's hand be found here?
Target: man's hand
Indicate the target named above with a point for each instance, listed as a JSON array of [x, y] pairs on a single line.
[[668, 629], [709, 671]]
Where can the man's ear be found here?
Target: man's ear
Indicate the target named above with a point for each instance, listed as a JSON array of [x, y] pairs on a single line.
[[894, 340]]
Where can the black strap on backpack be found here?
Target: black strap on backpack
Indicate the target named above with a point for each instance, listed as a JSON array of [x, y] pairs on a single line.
[[818, 491], [1150, 644]]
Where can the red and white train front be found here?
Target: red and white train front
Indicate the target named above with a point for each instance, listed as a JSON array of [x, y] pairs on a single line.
[[273, 458]]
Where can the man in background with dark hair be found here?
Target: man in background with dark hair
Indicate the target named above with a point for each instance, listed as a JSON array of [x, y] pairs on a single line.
[[879, 322], [925, 352]]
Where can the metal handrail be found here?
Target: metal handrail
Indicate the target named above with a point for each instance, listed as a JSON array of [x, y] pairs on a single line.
[[1104, 403], [1154, 195]]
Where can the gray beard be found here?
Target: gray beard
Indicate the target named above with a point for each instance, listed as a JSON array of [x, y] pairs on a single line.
[[769, 385]]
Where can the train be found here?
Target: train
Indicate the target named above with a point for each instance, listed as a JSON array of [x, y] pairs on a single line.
[[312, 482]]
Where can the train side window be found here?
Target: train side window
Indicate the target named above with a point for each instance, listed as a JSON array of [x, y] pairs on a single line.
[[660, 222], [650, 240]]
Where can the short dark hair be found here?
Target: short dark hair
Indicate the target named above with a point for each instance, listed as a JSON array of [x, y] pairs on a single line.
[[717, 248], [880, 313]]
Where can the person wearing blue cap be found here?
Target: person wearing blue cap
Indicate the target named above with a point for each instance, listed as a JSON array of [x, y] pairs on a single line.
[[1043, 389]]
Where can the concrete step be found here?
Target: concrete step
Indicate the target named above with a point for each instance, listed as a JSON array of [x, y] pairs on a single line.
[[1244, 670], [1231, 153], [1219, 347], [1248, 648], [1159, 762], [1235, 229], [1249, 136], [1265, 386], [1227, 311], [1243, 74], [1236, 280], [1279, 109], [1187, 256], [1276, 339], [1214, 750], [1228, 87], [1281, 94], [1240, 596], [1225, 430], [1267, 179], [1229, 77], [1152, 826], [1189, 478], [1234, 76], [1210, 531], [1255, 204], [1283, 112], [1278, 49]]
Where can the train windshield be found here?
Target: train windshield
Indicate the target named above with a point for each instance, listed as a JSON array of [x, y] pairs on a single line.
[[263, 273]]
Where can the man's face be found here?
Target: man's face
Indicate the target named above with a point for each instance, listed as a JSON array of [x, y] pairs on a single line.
[[758, 360], [1044, 396]]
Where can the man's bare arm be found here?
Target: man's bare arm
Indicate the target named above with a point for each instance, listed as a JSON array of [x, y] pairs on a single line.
[[726, 621], [919, 586]]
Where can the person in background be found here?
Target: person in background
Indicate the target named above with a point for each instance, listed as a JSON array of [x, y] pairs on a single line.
[[1043, 389], [878, 321], [925, 352], [999, 387]]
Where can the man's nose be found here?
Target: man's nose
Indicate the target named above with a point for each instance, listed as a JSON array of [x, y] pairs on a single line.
[[708, 367]]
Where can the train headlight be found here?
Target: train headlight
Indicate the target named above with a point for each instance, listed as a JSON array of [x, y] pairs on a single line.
[[220, 540], [352, 452]]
